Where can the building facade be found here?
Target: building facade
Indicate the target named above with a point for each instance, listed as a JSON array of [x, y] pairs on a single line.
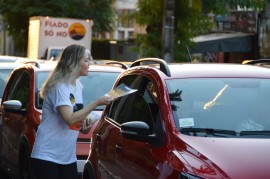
[[6, 42], [124, 28]]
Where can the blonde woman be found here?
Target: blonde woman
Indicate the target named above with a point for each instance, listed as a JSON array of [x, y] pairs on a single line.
[[54, 150]]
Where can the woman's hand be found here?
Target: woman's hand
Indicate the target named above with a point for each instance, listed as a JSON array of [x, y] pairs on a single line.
[[86, 125], [104, 100]]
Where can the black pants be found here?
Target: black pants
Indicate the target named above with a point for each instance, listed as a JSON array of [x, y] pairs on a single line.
[[49, 170]]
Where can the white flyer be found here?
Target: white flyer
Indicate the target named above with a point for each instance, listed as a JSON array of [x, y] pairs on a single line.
[[120, 91]]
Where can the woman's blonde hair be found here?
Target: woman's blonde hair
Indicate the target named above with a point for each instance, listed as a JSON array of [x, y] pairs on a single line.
[[67, 68]]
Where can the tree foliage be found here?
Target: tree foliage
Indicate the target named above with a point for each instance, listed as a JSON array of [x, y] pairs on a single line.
[[188, 23], [16, 14], [190, 20]]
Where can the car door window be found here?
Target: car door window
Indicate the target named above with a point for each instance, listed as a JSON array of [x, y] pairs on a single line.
[[139, 106], [19, 88], [145, 106], [120, 108]]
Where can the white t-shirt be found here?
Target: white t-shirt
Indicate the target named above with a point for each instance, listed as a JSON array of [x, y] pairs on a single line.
[[55, 141]]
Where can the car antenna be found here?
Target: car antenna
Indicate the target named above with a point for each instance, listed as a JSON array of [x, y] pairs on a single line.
[[189, 55]]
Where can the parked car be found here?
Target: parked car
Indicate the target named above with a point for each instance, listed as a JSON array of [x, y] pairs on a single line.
[[187, 121], [7, 67], [97, 83], [21, 109], [259, 62], [11, 59]]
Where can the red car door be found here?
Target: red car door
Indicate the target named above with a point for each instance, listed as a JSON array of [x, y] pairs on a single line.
[[127, 158], [105, 143], [14, 120]]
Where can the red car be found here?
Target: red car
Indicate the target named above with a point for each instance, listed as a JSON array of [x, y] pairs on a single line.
[[187, 121], [21, 109]]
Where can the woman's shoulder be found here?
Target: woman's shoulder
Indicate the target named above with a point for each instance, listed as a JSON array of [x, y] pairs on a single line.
[[62, 84], [62, 87], [68, 86]]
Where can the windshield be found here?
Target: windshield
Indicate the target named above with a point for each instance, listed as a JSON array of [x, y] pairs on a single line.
[[55, 53], [229, 104]]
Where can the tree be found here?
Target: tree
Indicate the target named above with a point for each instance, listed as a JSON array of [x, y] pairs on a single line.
[[190, 20], [16, 14], [188, 23]]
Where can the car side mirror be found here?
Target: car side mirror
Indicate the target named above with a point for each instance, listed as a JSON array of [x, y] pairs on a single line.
[[137, 130], [12, 104]]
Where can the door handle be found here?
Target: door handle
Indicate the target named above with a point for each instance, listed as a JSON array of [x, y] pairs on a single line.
[[98, 136], [118, 147]]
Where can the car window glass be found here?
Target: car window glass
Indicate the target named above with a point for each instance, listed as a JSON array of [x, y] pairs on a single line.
[[145, 105], [2, 87], [120, 108], [219, 103], [4, 75], [55, 53], [141, 110], [97, 84], [19, 88], [153, 100], [139, 106], [40, 79]]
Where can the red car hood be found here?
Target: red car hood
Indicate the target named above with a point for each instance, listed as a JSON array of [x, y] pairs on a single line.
[[228, 157]]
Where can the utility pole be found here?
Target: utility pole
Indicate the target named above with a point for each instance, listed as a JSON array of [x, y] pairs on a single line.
[[168, 31], [3, 32]]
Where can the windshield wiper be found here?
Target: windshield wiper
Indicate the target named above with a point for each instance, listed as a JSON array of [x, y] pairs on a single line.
[[208, 131], [257, 133]]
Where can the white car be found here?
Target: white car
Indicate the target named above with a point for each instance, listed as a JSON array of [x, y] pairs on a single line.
[[12, 59]]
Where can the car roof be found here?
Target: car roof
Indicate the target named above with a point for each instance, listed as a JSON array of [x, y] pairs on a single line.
[[102, 61], [259, 62], [106, 67], [12, 59], [192, 70], [201, 70], [50, 65], [16, 62], [37, 65], [7, 65], [6, 58]]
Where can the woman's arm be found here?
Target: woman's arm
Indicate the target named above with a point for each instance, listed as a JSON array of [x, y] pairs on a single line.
[[72, 118]]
